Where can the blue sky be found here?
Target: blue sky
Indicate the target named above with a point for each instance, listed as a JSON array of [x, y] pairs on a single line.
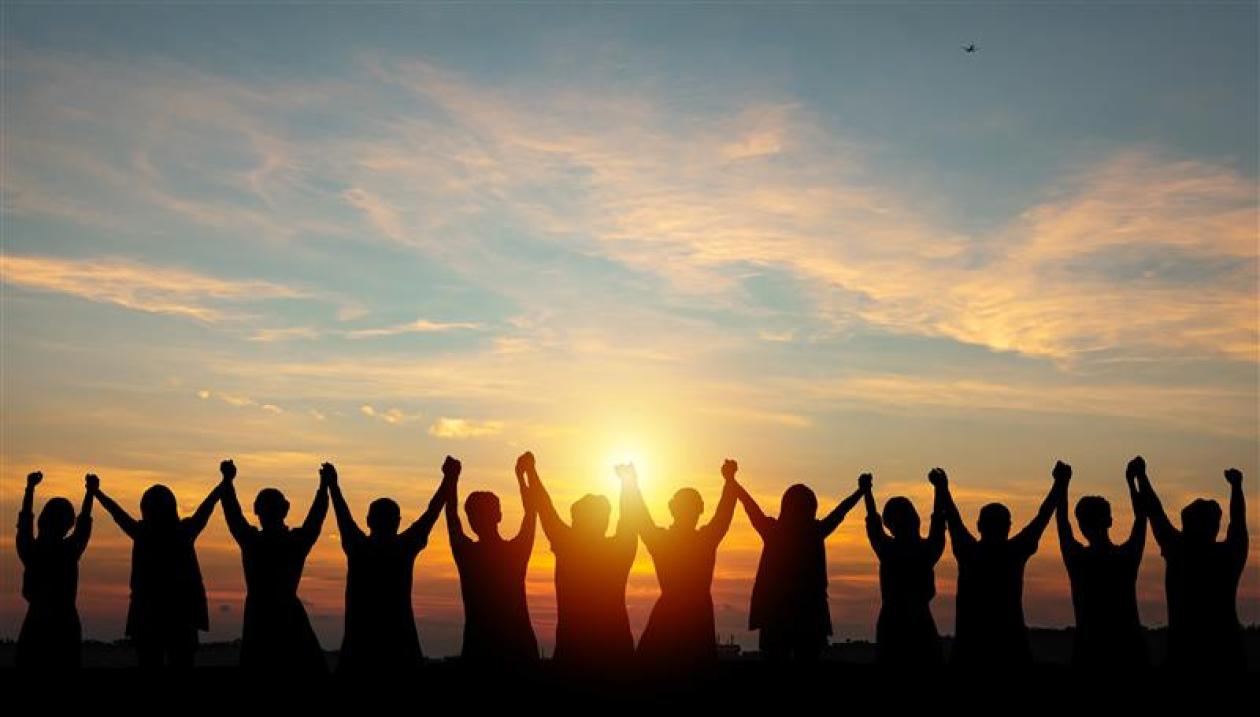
[[818, 236]]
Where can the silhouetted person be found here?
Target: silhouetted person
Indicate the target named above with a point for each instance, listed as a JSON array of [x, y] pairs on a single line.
[[906, 633], [380, 625], [789, 596], [276, 634], [592, 627], [1104, 578], [51, 635], [492, 575], [1201, 576], [680, 631], [168, 598], [989, 627]]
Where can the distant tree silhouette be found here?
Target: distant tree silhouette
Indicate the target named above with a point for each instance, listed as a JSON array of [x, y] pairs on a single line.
[[51, 635], [1104, 578], [789, 596], [1201, 576], [168, 598], [680, 631], [990, 628], [592, 627], [497, 629], [906, 633], [380, 634], [276, 635]]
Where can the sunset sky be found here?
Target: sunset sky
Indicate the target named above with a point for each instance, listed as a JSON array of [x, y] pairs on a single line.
[[819, 239]]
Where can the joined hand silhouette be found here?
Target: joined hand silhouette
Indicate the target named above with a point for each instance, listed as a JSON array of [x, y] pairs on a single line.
[[33, 479], [729, 469], [1233, 476], [938, 478], [227, 469]]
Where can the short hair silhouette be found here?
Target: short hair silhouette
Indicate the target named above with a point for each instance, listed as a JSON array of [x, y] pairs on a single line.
[[994, 522], [1201, 520], [484, 512], [590, 514], [383, 517]]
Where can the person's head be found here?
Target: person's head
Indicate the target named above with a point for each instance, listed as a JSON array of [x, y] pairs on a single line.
[[383, 517], [1093, 514], [994, 522], [157, 506], [56, 519], [799, 504], [1201, 521], [271, 507], [900, 517], [686, 506], [590, 514], [484, 513]]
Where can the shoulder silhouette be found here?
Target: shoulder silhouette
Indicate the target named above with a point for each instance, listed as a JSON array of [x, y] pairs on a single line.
[[905, 633], [497, 629], [51, 635], [276, 634]]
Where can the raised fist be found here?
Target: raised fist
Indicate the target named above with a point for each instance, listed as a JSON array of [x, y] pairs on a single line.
[[626, 472], [525, 463], [91, 482], [1234, 476], [729, 469], [33, 479], [937, 477], [451, 467], [1136, 468], [1062, 471], [865, 481], [327, 475], [227, 469]]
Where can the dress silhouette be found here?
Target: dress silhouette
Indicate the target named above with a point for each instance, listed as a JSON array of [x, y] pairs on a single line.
[[680, 630], [168, 598], [276, 634], [497, 629], [789, 596], [51, 635], [1103, 576], [1201, 577], [905, 633], [380, 632], [592, 626], [989, 627]]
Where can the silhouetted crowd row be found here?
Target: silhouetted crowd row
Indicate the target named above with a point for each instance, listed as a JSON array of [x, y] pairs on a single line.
[[789, 597]]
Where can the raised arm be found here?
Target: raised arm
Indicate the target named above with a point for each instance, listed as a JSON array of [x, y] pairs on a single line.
[[83, 524], [720, 524], [529, 522], [201, 516], [936, 527], [454, 527], [1137, 535], [347, 529], [1236, 533], [959, 537], [418, 533], [553, 527], [874, 524], [124, 520], [832, 520], [26, 518], [237, 525], [1161, 527], [1062, 521], [629, 503], [756, 515], [1031, 534]]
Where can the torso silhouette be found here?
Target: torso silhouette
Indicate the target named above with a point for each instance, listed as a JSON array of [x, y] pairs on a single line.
[[380, 623], [167, 592], [592, 626], [1104, 596], [492, 582], [51, 633], [990, 620], [790, 592], [680, 628], [1201, 582], [276, 633], [906, 632]]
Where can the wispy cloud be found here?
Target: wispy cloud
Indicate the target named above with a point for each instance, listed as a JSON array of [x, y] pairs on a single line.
[[392, 416], [464, 428], [419, 326]]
